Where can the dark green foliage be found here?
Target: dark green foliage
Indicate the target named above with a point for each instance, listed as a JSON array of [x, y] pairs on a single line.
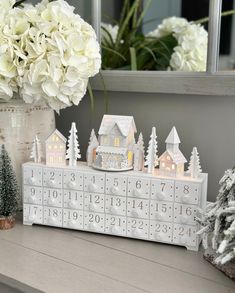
[[9, 192]]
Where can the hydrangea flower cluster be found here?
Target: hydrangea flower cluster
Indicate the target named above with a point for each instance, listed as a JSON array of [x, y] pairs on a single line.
[[46, 52], [191, 52]]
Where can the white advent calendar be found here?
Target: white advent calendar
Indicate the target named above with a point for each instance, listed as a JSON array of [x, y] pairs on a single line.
[[129, 204]]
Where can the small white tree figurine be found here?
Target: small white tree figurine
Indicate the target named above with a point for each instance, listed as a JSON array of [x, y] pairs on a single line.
[[73, 151], [93, 144], [152, 159], [36, 153], [194, 165], [139, 154]]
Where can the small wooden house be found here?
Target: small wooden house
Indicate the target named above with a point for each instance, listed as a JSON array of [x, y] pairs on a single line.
[[116, 143], [171, 162], [56, 149]]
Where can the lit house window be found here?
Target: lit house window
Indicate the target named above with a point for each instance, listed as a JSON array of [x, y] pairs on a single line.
[[61, 147], [55, 147], [163, 165], [49, 147], [173, 167], [117, 142], [57, 138]]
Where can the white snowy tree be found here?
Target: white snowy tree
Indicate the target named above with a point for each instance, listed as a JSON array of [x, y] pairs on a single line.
[[36, 153], [73, 151], [194, 165], [139, 154], [93, 144], [152, 159]]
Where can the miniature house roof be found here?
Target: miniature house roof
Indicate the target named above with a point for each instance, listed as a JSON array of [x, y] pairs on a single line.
[[59, 134], [111, 150], [124, 123], [177, 157], [173, 137]]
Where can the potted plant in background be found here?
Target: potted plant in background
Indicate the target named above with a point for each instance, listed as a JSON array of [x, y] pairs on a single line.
[[47, 55], [9, 192]]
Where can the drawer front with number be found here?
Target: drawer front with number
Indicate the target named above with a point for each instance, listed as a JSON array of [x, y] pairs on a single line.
[[137, 228], [138, 187], [33, 214], [94, 202], [52, 216], [184, 214], [138, 208], [161, 211], [73, 219], [162, 189], [116, 185], [73, 199], [187, 192], [94, 222], [73, 180], [33, 194], [52, 178], [33, 175], [52, 197], [185, 235], [94, 182], [115, 225], [115, 205], [160, 231]]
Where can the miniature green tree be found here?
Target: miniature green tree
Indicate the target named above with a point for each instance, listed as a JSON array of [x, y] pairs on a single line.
[[9, 192]]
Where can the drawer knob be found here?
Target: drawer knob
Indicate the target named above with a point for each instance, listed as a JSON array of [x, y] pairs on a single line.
[[114, 190], [114, 210], [32, 199], [159, 216], [184, 219], [137, 192], [137, 233], [52, 220], [92, 187], [73, 204], [158, 236], [115, 230], [71, 184], [93, 207], [51, 183], [183, 240], [185, 198], [72, 223], [136, 214], [51, 201], [93, 226], [32, 218], [31, 180], [160, 195]]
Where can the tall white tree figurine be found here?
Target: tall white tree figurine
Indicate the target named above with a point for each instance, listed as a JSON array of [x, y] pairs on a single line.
[[93, 144], [194, 165], [73, 151], [36, 153], [139, 154], [152, 158]]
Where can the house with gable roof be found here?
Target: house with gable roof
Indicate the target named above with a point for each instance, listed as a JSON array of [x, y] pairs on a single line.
[[116, 143], [171, 162]]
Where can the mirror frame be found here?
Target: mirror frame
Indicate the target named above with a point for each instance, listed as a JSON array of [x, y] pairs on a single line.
[[210, 82]]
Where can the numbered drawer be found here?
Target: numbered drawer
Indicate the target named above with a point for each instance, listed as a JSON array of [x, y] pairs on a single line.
[[138, 187], [32, 175], [138, 208], [73, 199], [52, 178], [161, 211], [52, 216], [94, 202], [33, 194], [73, 180], [115, 205], [187, 192], [94, 182], [116, 185], [94, 222], [115, 225], [184, 214], [33, 214], [73, 219], [160, 231], [185, 235], [162, 189], [52, 197], [137, 228]]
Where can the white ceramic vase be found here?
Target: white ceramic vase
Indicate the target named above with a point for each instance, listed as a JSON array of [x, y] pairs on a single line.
[[19, 123]]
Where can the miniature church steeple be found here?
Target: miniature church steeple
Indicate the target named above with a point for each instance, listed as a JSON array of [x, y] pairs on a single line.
[[173, 141]]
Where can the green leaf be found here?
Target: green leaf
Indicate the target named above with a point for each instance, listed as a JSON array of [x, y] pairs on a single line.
[[114, 52], [133, 59], [106, 100], [90, 91]]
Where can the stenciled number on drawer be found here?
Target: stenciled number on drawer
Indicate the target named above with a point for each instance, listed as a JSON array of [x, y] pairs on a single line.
[[137, 228], [73, 219], [53, 197], [185, 214], [138, 208], [187, 193], [138, 187], [160, 231], [73, 199], [161, 211], [185, 235], [162, 189], [32, 214], [33, 176]]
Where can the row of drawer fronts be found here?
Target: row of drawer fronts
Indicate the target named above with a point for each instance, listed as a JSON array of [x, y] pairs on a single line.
[[111, 224], [100, 203], [114, 184]]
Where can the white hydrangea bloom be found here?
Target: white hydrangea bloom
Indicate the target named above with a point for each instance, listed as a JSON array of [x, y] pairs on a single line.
[[48, 52], [191, 52], [112, 30]]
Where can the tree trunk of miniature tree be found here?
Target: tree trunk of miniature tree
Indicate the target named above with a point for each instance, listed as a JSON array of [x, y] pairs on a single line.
[[19, 123]]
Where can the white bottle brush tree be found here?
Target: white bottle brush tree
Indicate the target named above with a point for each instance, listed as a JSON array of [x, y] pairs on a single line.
[[194, 165], [36, 153], [93, 144], [152, 159], [9, 191], [73, 151], [139, 154], [219, 220]]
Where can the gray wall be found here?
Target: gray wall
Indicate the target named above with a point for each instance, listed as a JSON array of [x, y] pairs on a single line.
[[202, 121]]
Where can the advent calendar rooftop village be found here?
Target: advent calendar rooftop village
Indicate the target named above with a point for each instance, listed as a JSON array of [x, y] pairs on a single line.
[[115, 149]]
